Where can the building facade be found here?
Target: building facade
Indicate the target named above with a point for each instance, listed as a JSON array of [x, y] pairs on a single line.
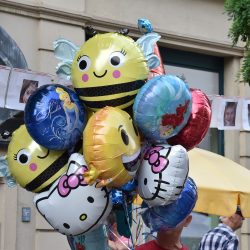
[[190, 30]]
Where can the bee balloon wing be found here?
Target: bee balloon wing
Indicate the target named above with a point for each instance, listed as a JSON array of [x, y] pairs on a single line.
[[5, 172], [65, 50], [147, 43], [63, 70]]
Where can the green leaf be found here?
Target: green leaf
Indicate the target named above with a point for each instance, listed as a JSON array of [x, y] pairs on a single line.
[[238, 12]]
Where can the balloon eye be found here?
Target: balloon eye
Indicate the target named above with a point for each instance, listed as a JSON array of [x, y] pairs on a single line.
[[124, 137], [66, 225], [90, 199], [84, 63], [23, 156], [116, 59]]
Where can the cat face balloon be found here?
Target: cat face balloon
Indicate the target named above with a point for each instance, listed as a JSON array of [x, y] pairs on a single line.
[[71, 206], [162, 174]]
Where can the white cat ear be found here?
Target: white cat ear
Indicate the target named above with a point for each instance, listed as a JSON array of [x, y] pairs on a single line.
[[41, 202]]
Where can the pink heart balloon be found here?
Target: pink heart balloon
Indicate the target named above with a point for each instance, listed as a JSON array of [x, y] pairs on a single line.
[[198, 123]]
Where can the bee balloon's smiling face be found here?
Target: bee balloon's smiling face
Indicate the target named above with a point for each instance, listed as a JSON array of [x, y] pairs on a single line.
[[34, 167], [108, 70], [111, 147]]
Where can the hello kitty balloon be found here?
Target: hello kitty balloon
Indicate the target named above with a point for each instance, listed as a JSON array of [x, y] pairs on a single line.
[[162, 174], [71, 206]]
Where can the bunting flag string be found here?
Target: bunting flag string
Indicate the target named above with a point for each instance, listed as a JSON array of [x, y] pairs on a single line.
[[18, 84], [228, 113]]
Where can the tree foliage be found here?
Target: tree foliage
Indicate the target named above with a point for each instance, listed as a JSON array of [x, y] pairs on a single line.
[[239, 12]]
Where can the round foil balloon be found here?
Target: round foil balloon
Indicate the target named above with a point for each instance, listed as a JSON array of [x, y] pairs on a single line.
[[170, 216], [108, 70], [162, 107], [70, 205], [198, 123], [162, 174], [34, 167], [111, 146], [55, 117]]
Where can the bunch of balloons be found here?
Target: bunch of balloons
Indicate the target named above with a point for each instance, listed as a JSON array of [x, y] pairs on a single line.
[[44, 156], [82, 148]]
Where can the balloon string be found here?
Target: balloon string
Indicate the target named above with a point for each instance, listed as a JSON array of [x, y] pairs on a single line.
[[82, 239], [109, 228], [136, 215], [139, 223], [138, 231], [138, 211], [124, 204], [147, 234]]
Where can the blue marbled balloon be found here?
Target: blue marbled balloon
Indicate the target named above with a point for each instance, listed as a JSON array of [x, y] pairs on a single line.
[[169, 216], [145, 26], [125, 193], [162, 107], [130, 186], [55, 117], [117, 197]]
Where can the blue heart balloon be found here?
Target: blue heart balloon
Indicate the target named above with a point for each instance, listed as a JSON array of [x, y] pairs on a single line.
[[171, 215], [162, 107], [55, 117], [125, 193]]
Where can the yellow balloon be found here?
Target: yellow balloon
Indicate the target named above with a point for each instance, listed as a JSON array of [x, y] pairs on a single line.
[[111, 146], [108, 70], [34, 167]]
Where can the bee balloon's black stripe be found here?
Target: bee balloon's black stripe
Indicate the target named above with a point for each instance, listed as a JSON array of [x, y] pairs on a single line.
[[110, 89], [48, 172], [112, 102], [46, 188]]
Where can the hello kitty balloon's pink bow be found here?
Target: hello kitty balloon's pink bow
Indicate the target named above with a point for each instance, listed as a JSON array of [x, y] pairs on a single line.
[[158, 163], [72, 181]]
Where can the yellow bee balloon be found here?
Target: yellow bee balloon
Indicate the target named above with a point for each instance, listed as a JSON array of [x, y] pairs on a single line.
[[34, 167], [108, 70], [111, 147]]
